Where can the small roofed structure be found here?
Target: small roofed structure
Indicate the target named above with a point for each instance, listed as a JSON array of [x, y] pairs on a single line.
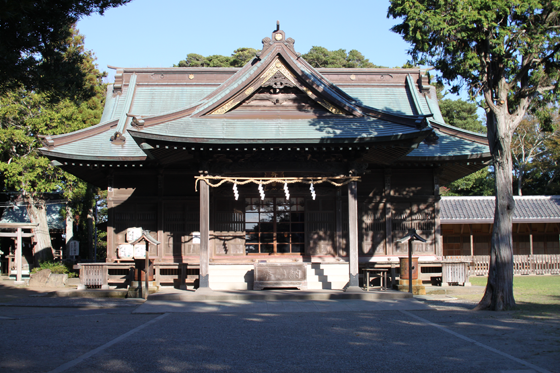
[[328, 167]]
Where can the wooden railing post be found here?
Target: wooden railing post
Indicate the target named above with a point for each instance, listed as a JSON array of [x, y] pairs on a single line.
[[105, 277]]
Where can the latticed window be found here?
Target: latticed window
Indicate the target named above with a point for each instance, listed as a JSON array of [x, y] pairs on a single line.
[[274, 225]]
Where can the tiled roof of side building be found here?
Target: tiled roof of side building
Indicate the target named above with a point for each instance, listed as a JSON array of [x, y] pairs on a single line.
[[465, 210]]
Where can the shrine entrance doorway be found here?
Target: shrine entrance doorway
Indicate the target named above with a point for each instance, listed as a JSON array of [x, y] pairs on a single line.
[[274, 225]]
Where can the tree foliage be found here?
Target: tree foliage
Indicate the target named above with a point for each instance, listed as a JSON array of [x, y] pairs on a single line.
[[506, 51], [322, 57], [529, 145], [34, 53], [317, 57], [463, 114], [238, 58], [26, 115], [537, 157]]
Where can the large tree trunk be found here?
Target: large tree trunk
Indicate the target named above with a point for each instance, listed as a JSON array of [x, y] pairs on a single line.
[[37, 212], [499, 290]]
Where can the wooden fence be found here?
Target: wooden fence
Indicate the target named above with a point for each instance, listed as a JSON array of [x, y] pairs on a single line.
[[100, 275], [522, 264]]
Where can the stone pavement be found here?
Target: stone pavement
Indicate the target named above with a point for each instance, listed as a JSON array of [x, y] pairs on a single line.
[[441, 334]]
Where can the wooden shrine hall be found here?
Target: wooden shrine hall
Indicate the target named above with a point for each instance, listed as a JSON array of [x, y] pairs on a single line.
[[315, 171]]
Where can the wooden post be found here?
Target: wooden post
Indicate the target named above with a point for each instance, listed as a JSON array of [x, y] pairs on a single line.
[[338, 223], [471, 240], [410, 266], [111, 239], [388, 215], [160, 216], [204, 280], [437, 205], [19, 249], [353, 284], [530, 239], [147, 269]]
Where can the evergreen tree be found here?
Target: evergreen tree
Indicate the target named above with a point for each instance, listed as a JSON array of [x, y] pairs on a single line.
[[34, 52], [26, 115], [322, 57], [507, 51]]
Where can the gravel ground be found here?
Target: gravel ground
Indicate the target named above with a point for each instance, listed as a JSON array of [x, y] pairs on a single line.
[[438, 333]]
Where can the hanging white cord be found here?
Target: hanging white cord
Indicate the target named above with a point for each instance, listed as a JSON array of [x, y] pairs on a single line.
[[261, 191], [287, 191], [235, 191], [312, 191]]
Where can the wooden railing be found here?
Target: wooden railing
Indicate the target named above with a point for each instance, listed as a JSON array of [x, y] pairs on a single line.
[[100, 275], [94, 276], [522, 264]]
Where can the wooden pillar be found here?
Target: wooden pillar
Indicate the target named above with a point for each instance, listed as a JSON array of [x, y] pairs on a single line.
[[471, 239], [531, 239], [437, 232], [388, 215], [204, 279], [111, 242], [160, 216], [338, 223], [19, 249], [353, 284]]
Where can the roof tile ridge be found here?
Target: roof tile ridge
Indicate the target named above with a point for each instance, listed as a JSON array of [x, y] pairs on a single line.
[[442, 126], [144, 121], [128, 103], [469, 197], [243, 74], [541, 196], [52, 141], [415, 94]]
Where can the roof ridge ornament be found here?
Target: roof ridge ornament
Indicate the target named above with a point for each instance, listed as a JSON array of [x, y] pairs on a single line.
[[278, 37]]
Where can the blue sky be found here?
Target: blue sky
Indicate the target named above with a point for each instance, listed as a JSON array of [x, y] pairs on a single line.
[[149, 33]]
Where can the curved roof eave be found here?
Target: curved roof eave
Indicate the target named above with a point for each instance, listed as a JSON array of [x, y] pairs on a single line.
[[139, 136], [53, 154]]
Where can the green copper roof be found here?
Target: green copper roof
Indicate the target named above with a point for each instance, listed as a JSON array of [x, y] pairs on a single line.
[[392, 100], [154, 100], [114, 104], [333, 129], [448, 146], [98, 147], [433, 107]]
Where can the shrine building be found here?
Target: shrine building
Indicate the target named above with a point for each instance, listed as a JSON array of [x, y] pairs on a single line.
[[274, 162]]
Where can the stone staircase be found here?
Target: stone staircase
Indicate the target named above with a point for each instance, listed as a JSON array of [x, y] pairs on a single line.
[[327, 276], [320, 276]]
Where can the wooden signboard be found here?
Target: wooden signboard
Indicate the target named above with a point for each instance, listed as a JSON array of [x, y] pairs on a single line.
[[280, 275]]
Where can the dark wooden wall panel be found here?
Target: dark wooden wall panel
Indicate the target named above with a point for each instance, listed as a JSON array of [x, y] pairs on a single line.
[[371, 229], [417, 215], [320, 225], [175, 184], [410, 182], [372, 184], [141, 184]]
